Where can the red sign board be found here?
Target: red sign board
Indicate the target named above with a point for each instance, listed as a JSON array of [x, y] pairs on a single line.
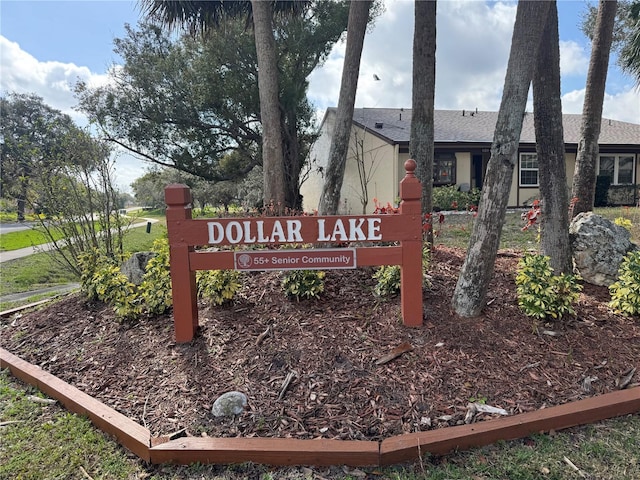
[[312, 259]]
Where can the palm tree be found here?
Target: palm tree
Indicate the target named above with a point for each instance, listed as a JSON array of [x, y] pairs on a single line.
[[422, 102], [198, 16], [473, 283], [584, 177], [358, 20], [630, 53], [547, 107]]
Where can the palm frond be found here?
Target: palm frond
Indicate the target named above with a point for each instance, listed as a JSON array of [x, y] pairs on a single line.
[[199, 15]]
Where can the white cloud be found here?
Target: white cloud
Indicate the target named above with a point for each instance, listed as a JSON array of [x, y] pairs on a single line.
[[472, 37], [623, 106], [473, 44], [53, 81], [573, 59]]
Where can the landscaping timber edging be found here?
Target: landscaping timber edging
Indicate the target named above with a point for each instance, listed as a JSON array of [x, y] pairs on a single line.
[[321, 452]]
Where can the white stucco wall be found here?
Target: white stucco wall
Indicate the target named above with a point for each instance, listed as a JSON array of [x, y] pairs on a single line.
[[378, 159]]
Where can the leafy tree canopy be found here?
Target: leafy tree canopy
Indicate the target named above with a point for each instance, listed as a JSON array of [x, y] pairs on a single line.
[[188, 102], [626, 34], [33, 136]]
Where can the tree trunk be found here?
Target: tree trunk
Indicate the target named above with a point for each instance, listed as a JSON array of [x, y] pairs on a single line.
[[552, 174], [358, 19], [422, 102], [584, 176], [473, 283], [292, 161], [272, 156]]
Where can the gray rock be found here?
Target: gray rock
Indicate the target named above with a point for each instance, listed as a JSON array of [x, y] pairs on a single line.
[[136, 265], [599, 246], [229, 404]]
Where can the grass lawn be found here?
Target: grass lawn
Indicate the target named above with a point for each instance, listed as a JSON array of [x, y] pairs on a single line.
[[41, 270], [25, 238], [455, 230]]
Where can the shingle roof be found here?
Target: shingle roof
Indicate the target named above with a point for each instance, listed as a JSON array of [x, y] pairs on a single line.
[[470, 126]]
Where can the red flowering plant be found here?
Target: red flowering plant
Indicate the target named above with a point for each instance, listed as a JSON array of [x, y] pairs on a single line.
[[531, 217], [384, 209]]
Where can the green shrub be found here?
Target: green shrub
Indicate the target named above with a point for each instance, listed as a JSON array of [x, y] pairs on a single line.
[[450, 198], [90, 262], [540, 292], [625, 293], [303, 283], [218, 286], [103, 280], [388, 278], [155, 289]]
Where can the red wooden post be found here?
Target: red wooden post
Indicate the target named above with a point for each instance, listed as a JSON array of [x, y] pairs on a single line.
[[183, 280], [411, 268]]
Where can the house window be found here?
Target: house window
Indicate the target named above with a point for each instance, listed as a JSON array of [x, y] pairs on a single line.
[[619, 168], [528, 170], [444, 169]]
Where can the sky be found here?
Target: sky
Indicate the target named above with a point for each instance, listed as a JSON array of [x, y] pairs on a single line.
[[47, 45]]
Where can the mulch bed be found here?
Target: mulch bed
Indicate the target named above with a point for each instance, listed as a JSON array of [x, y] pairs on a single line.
[[330, 347]]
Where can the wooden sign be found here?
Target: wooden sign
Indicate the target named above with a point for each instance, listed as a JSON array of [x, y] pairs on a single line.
[[185, 233]]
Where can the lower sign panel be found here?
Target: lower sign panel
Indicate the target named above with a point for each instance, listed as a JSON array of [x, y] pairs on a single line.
[[316, 259]]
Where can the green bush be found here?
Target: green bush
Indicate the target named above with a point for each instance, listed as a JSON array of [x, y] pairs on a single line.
[[540, 292], [303, 283], [450, 198], [388, 279], [625, 293], [218, 286], [155, 289], [102, 279]]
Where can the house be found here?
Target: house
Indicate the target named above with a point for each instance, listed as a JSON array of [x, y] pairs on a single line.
[[379, 146]]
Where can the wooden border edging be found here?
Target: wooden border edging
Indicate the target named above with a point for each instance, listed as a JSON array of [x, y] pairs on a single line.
[[269, 451], [410, 446], [129, 434], [324, 452]]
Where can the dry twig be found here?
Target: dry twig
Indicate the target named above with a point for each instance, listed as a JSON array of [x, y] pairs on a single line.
[[84, 472], [287, 381]]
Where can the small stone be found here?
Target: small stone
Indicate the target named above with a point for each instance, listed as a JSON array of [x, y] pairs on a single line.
[[229, 404]]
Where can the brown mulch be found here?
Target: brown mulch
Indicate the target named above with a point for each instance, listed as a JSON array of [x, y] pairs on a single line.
[[331, 345]]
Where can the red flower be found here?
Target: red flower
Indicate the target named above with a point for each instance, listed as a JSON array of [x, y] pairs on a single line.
[[441, 218]]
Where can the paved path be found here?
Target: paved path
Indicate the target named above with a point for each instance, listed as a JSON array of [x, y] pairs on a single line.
[[55, 290], [15, 226], [24, 252]]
